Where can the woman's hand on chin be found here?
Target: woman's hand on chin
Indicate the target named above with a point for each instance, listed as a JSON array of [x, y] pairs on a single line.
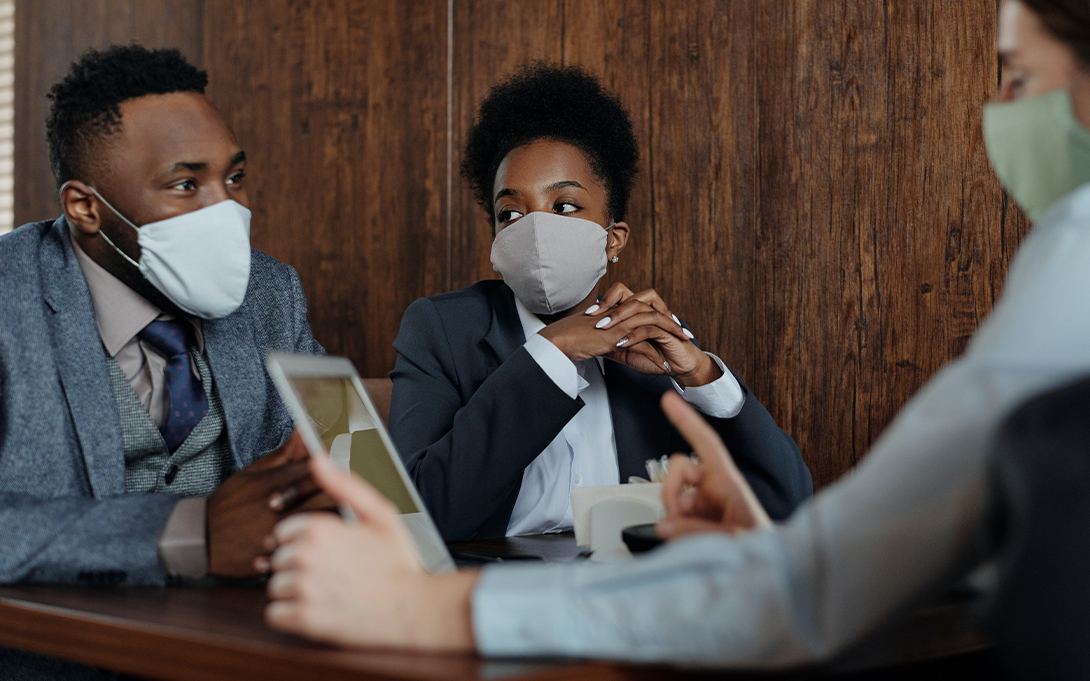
[[653, 340]]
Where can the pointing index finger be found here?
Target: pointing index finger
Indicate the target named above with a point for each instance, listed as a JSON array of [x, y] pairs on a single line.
[[696, 431]]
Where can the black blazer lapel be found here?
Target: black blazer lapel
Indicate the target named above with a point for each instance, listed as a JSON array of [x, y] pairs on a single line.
[[505, 334], [640, 427], [81, 363]]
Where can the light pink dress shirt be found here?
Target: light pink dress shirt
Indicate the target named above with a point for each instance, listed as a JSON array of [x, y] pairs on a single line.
[[120, 314]]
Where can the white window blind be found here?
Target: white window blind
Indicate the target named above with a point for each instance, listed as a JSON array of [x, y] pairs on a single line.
[[7, 115]]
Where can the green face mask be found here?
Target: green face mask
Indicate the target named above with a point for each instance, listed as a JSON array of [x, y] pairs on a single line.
[[1038, 149]]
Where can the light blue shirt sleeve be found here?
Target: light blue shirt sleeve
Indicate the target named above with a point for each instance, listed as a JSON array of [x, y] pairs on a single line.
[[909, 518]]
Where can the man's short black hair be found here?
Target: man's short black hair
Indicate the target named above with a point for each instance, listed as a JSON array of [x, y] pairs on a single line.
[[566, 104], [87, 103]]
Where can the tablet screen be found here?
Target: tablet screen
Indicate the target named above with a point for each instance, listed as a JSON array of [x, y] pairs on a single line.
[[348, 432]]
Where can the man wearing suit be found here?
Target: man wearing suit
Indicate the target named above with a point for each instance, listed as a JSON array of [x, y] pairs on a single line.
[[133, 331]]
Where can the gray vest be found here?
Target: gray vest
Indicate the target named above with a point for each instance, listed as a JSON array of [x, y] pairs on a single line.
[[197, 467]]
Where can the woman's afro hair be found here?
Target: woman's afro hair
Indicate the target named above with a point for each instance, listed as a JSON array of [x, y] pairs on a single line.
[[562, 103], [87, 102]]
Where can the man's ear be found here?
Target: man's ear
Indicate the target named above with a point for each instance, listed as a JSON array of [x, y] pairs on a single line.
[[618, 238], [80, 206]]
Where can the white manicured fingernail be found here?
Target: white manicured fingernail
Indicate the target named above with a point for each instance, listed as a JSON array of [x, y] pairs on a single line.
[[667, 365], [688, 333], [602, 322], [591, 310], [676, 319], [623, 342]]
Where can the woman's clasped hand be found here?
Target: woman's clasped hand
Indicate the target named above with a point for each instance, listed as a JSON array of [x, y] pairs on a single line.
[[637, 330]]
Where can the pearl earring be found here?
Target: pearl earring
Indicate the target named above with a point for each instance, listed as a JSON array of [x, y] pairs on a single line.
[[614, 259]]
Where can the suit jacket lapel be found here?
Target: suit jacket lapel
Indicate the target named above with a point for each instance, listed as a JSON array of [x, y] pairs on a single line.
[[505, 334], [239, 377], [639, 426], [81, 366]]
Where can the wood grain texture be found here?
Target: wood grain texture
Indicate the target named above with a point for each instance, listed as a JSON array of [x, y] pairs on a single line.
[[704, 169], [490, 39], [814, 196], [217, 633], [881, 235], [50, 35], [341, 106], [613, 41]]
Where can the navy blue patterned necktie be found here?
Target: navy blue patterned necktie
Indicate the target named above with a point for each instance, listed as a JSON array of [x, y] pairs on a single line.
[[188, 401]]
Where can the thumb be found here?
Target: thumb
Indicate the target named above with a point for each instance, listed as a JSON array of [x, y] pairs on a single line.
[[354, 492]]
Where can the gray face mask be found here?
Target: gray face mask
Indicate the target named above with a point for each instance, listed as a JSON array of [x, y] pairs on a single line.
[[550, 261]]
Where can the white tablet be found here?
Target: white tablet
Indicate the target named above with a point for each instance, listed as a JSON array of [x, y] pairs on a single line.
[[335, 416]]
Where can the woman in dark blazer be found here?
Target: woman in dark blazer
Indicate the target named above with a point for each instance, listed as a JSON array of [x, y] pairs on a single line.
[[508, 394]]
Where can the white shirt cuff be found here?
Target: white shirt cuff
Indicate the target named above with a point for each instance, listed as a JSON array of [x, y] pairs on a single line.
[[182, 547], [554, 363], [722, 398]]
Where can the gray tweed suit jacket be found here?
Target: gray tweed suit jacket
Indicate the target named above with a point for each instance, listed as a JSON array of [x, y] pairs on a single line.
[[64, 514]]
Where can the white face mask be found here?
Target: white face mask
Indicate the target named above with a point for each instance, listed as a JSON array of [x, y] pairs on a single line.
[[199, 260], [550, 261]]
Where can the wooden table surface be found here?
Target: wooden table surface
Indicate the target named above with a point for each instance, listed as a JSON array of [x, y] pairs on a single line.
[[217, 632]]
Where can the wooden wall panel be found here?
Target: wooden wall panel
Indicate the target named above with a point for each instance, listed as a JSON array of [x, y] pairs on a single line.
[[50, 34], [881, 241], [342, 109], [490, 38], [703, 165], [613, 41], [819, 126]]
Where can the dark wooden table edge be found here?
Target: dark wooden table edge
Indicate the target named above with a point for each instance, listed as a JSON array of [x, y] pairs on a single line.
[[147, 648], [23, 623]]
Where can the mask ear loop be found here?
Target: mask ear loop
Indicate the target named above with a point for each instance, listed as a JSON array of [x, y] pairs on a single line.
[[102, 234]]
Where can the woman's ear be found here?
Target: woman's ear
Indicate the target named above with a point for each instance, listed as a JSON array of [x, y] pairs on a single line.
[[80, 208], [617, 239]]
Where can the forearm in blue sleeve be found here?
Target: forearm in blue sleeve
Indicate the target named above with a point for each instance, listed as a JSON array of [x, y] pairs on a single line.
[[708, 600]]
